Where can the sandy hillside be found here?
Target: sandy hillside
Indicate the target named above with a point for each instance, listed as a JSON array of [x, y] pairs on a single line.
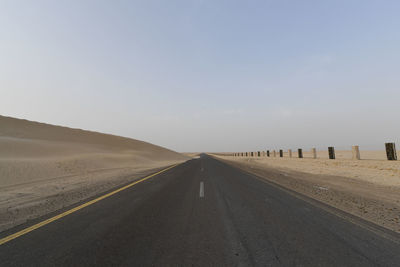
[[39, 161]]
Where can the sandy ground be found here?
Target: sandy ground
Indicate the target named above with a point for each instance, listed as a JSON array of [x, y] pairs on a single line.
[[371, 168], [193, 155], [44, 168], [369, 189]]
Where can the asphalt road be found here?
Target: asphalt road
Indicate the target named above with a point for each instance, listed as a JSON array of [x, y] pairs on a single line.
[[203, 213]]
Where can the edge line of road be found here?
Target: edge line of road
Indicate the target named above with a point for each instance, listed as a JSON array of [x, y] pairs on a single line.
[[61, 215]]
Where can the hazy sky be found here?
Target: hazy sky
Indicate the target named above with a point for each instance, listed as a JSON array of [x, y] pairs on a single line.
[[207, 75]]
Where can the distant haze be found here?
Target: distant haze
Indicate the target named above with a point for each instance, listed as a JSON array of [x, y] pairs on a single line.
[[207, 75]]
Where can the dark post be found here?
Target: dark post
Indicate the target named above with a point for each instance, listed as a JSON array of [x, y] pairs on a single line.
[[331, 151], [281, 153], [267, 153], [251, 154], [300, 151], [259, 153], [391, 151]]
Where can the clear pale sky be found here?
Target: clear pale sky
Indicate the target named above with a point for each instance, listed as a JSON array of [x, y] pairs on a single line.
[[207, 75]]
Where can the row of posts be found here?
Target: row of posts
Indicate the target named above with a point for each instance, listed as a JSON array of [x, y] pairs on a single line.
[[390, 153]]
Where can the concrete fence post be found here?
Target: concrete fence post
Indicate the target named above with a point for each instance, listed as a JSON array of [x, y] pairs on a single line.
[[314, 153], [274, 153], [331, 151], [281, 153], [290, 153], [263, 153], [356, 152], [391, 151], [300, 153], [267, 153]]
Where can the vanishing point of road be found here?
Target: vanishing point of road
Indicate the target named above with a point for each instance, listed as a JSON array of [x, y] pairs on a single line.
[[204, 212]]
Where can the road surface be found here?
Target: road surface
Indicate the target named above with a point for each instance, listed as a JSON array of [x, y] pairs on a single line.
[[203, 213]]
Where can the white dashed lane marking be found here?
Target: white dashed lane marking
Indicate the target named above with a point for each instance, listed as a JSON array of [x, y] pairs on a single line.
[[201, 189]]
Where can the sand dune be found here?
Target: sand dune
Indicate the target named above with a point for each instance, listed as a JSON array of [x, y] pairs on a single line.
[[32, 151], [39, 162]]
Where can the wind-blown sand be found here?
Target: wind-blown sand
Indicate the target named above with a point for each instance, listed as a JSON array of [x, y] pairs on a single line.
[[368, 188], [44, 167]]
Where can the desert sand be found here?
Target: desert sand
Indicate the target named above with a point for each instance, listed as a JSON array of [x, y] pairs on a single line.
[[368, 188], [193, 155], [373, 166], [44, 167]]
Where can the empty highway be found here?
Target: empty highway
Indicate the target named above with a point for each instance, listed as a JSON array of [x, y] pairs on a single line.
[[203, 213]]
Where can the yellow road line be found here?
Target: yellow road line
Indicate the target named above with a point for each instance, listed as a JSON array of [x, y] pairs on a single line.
[[59, 216]]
